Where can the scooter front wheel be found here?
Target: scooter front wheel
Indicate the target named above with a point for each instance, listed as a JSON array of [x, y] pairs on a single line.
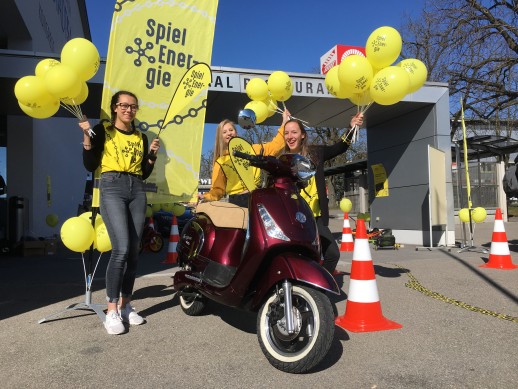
[[192, 305], [300, 351]]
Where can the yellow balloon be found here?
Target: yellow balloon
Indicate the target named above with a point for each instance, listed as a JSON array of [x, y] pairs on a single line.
[[355, 73], [40, 112], [80, 98], [82, 56], [88, 216], [149, 211], [361, 99], [62, 82], [178, 209], [52, 220], [168, 207], [271, 104], [389, 85], [155, 207], [346, 205], [31, 91], [77, 234], [464, 215], [417, 72], [44, 65], [260, 109], [334, 86], [478, 214], [102, 242], [257, 89], [383, 46], [280, 85]]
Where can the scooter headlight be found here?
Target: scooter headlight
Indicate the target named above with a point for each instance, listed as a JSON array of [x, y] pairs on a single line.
[[271, 227]]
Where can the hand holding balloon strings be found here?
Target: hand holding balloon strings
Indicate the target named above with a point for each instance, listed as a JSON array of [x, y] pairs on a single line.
[[356, 123]]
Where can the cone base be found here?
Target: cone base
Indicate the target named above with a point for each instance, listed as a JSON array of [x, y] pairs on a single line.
[[500, 265], [170, 261], [365, 317]]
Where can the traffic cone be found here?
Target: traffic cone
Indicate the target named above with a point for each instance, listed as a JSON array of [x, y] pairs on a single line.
[[347, 235], [151, 223], [499, 255], [174, 237], [363, 308]]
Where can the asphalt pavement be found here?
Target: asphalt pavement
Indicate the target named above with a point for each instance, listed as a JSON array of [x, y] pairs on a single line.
[[460, 327]]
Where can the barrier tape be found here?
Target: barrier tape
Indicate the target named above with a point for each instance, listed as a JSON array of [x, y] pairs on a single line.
[[416, 285]]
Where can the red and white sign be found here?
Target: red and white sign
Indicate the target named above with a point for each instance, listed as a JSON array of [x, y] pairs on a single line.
[[337, 54]]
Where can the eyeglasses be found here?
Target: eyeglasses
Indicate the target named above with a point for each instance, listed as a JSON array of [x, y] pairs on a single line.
[[125, 106]]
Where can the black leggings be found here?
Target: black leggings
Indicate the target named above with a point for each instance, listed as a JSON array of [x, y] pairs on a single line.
[[330, 250]]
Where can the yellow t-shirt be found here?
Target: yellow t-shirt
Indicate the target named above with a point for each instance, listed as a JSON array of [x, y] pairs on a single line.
[[310, 194], [122, 152], [225, 179]]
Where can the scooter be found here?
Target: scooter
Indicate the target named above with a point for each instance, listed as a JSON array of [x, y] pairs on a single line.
[[263, 259]]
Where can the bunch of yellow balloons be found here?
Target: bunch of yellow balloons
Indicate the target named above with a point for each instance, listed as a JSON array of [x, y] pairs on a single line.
[[266, 94], [56, 83], [78, 234], [376, 77]]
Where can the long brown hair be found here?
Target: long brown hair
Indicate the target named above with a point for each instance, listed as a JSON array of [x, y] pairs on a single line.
[[220, 148]]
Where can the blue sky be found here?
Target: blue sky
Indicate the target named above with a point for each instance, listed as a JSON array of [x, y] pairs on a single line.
[[278, 35]]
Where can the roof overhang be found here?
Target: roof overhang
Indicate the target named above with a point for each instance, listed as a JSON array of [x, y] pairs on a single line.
[[227, 94]]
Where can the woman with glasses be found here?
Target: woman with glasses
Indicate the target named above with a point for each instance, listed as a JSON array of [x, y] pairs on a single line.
[[125, 159]]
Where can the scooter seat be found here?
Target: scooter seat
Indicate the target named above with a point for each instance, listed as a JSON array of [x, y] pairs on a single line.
[[223, 214]]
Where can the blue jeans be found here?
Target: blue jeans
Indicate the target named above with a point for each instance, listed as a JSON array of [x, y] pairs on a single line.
[[123, 209]]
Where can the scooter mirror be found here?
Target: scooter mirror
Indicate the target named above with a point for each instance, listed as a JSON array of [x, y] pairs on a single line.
[[246, 118]]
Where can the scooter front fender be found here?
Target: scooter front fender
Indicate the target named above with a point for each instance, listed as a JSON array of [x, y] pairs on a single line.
[[295, 267]]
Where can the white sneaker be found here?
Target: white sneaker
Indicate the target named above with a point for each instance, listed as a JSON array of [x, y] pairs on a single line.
[[129, 315], [113, 323]]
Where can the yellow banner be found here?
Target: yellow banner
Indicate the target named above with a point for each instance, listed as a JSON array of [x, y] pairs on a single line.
[[153, 43], [248, 174]]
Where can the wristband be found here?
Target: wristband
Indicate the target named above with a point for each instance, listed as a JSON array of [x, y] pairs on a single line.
[[152, 157]]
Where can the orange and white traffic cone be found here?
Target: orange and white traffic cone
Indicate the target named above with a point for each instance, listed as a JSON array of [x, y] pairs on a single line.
[[499, 255], [151, 223], [347, 235], [174, 237], [363, 308]]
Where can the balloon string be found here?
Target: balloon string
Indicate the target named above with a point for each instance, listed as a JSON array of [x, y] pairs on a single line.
[[73, 109], [84, 270], [280, 111], [95, 268]]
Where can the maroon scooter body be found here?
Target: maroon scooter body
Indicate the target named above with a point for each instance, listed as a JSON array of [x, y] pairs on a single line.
[[238, 267]]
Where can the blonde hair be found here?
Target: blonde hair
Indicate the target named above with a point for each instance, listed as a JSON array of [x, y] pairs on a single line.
[[220, 148]]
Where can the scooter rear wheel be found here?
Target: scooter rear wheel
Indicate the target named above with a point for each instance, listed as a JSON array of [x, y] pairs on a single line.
[[314, 330], [192, 306]]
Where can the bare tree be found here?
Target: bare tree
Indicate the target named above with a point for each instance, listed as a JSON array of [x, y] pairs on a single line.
[[473, 46], [206, 164]]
